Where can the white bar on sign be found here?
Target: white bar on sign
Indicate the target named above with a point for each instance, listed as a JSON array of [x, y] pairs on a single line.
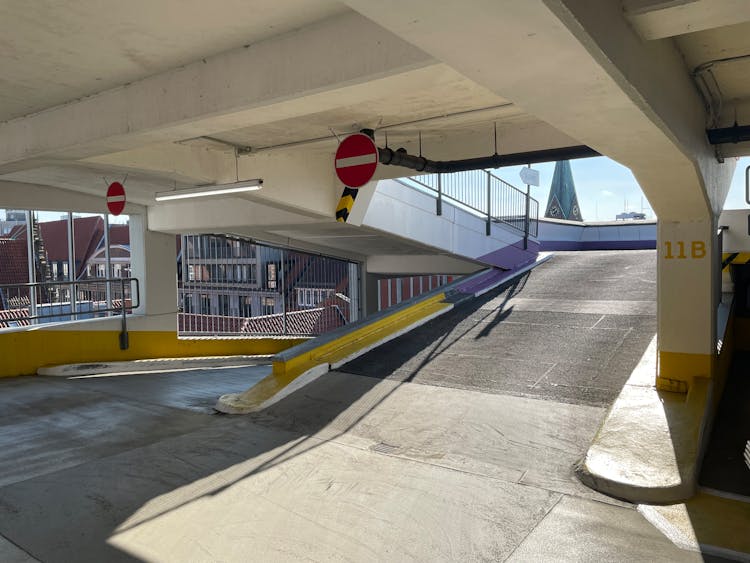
[[355, 160], [114, 198]]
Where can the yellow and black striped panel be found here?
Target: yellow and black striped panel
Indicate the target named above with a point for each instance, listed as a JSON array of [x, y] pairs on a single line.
[[345, 204], [734, 258]]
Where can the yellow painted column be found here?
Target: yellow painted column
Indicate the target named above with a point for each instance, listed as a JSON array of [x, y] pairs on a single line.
[[687, 302]]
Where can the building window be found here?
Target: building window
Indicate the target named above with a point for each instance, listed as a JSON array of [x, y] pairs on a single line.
[[187, 303], [224, 305], [246, 306], [205, 304], [271, 276], [309, 297], [191, 272], [269, 305]]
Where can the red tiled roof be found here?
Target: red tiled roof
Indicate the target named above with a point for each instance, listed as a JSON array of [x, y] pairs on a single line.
[[119, 234], [191, 322], [14, 262], [88, 234], [306, 322], [17, 231], [14, 317]]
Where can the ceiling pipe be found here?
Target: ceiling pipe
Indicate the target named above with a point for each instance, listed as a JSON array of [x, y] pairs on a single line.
[[734, 134], [400, 157]]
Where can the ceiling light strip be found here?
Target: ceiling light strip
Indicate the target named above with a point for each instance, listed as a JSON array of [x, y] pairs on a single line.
[[212, 190]]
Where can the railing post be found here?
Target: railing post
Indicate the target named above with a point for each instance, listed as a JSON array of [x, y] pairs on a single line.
[[108, 260], [32, 269], [488, 229], [439, 203], [282, 281], [526, 218], [124, 344], [71, 264]]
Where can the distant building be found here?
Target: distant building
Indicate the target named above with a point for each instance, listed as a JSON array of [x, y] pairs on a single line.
[[12, 219], [630, 216], [563, 201], [52, 264]]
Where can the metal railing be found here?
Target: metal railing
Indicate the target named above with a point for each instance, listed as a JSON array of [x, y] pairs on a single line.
[[233, 286], [27, 303], [482, 193]]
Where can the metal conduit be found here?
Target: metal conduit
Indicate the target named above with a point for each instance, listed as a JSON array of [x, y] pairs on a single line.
[[400, 157]]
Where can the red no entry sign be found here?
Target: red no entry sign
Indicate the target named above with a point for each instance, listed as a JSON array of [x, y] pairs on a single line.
[[115, 198], [356, 160]]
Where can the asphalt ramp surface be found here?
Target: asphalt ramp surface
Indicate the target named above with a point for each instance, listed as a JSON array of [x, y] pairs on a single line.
[[571, 330]]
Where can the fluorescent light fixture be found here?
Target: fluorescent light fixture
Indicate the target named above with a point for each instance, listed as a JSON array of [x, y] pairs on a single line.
[[216, 189]]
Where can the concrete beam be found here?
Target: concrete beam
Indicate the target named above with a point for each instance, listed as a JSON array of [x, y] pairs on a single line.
[[657, 19], [320, 67], [22, 195], [587, 73], [407, 265], [221, 215]]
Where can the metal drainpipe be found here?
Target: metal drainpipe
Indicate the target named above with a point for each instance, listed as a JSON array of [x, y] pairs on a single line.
[[401, 158]]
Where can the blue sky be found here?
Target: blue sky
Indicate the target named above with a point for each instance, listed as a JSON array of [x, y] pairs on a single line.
[[605, 187]]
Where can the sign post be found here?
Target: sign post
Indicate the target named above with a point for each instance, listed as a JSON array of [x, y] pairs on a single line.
[[529, 177], [116, 198], [356, 160]]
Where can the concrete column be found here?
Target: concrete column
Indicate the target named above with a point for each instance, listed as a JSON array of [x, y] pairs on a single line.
[[370, 291], [154, 263], [687, 301]]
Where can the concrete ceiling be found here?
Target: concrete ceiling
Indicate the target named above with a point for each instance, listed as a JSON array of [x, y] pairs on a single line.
[[92, 90], [55, 52], [437, 100], [730, 42], [713, 37]]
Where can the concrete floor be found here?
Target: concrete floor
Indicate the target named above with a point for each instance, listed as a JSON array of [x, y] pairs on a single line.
[[461, 449]]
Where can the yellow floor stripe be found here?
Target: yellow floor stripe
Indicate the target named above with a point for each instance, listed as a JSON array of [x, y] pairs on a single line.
[[286, 372], [24, 352]]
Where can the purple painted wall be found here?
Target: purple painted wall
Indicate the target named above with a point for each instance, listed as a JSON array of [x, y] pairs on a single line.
[[547, 245], [512, 256]]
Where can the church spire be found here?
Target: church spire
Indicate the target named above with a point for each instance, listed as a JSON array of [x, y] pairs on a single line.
[[563, 202]]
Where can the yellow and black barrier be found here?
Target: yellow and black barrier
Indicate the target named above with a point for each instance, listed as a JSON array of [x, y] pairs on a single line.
[[729, 258], [345, 204], [296, 366]]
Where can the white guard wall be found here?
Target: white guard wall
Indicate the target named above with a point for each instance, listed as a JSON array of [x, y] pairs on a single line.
[[617, 235], [737, 235], [403, 211]]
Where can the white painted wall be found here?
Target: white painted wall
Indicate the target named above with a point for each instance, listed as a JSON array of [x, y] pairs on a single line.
[[737, 236], [551, 230], [409, 213]]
